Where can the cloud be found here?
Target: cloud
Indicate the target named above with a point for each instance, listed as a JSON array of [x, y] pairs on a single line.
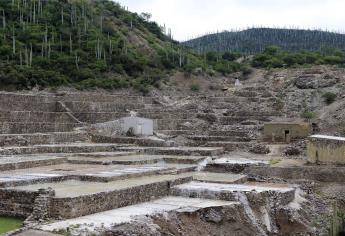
[[190, 18]]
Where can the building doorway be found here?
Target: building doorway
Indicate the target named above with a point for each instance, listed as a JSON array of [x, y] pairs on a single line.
[[287, 136]]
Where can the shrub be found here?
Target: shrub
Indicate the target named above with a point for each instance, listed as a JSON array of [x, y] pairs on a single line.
[[228, 56], [329, 97], [259, 60], [195, 87], [212, 56], [272, 50], [222, 68], [274, 57], [274, 63], [246, 71], [308, 115], [333, 60]]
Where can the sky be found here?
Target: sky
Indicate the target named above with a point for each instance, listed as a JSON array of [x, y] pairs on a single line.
[[191, 18]]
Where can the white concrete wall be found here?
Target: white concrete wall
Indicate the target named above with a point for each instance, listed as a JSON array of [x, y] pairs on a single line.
[[141, 126]]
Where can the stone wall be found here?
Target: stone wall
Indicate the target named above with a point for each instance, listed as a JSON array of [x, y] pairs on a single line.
[[278, 197], [315, 173], [31, 164], [29, 181], [93, 203], [129, 140], [35, 116], [33, 127], [42, 138], [326, 150], [16, 203]]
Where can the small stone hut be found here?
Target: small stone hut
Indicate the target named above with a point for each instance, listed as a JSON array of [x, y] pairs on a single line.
[[139, 126], [285, 131], [324, 149]]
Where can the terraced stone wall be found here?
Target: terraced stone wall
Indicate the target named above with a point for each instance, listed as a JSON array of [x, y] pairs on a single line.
[[89, 204], [316, 173], [16, 203]]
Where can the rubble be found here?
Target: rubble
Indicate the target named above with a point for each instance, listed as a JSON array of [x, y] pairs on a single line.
[[260, 149], [296, 149]]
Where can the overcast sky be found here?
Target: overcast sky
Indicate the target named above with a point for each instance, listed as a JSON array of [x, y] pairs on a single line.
[[190, 18]]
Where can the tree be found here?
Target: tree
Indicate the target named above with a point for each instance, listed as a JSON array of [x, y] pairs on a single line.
[[230, 56], [272, 50], [146, 16], [211, 56]]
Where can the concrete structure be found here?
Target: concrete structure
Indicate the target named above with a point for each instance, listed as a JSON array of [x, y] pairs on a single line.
[[285, 131], [140, 126], [326, 149]]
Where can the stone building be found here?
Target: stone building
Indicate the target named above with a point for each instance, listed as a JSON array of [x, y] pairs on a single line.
[[285, 131], [326, 149], [139, 126]]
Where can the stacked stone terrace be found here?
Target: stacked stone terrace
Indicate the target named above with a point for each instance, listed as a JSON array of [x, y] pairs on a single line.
[[50, 169]]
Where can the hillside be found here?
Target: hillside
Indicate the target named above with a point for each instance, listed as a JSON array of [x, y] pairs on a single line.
[[83, 43], [255, 40], [99, 44]]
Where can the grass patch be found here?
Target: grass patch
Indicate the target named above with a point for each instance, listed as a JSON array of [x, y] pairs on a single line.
[[8, 224], [275, 161], [308, 115]]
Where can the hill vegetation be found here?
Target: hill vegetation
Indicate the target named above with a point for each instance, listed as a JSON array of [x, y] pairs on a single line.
[[98, 43], [87, 43], [275, 57], [84, 43], [255, 40]]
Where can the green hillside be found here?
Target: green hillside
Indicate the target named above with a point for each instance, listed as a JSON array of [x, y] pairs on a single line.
[[255, 40], [85, 43], [98, 43]]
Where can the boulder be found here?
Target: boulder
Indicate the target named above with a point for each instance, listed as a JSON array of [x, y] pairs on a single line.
[[312, 82], [306, 82]]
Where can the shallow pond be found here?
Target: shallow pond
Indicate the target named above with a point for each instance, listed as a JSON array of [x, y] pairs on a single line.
[[8, 224]]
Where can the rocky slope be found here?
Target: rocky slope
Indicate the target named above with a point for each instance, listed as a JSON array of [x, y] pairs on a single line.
[[290, 94]]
